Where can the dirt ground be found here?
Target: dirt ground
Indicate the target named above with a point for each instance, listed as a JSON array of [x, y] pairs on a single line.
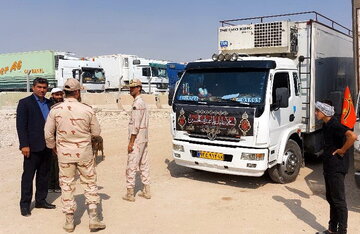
[[184, 200]]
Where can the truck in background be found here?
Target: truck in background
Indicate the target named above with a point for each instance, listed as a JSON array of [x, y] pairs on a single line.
[[153, 75], [252, 108], [56, 67], [121, 68], [174, 72]]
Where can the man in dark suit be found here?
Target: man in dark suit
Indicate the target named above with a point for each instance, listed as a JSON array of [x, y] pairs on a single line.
[[31, 115]]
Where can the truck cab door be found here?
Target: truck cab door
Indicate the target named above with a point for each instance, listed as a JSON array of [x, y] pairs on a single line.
[[282, 113], [357, 143]]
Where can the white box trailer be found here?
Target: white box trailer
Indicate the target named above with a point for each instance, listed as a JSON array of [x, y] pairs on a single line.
[[118, 68], [121, 68], [251, 109]]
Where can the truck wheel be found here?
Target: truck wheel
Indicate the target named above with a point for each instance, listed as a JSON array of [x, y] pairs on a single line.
[[288, 170]]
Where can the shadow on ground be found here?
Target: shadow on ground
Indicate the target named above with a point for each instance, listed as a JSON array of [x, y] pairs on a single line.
[[315, 181], [294, 205], [177, 171], [99, 159]]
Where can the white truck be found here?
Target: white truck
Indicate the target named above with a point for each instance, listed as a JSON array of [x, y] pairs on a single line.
[[153, 74], [90, 74], [251, 108], [121, 68]]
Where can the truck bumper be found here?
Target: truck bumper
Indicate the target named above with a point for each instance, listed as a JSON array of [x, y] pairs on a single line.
[[236, 166]]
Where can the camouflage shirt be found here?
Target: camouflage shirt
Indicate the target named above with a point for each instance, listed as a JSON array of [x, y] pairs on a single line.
[[69, 127], [139, 121]]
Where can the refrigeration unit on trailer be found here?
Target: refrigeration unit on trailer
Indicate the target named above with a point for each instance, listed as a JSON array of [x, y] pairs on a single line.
[[251, 108]]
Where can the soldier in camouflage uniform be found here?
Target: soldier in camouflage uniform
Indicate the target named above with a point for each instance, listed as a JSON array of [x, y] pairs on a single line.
[[138, 144], [68, 132]]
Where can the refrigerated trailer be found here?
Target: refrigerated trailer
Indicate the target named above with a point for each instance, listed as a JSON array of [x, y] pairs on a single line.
[[356, 29], [121, 68], [118, 68], [252, 107], [56, 67]]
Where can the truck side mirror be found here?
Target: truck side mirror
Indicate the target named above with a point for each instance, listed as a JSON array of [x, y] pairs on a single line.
[[282, 99], [179, 74]]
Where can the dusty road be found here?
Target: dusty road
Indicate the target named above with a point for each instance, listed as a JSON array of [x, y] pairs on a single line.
[[184, 200]]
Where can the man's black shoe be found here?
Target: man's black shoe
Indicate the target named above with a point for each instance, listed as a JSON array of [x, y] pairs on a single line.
[[25, 211], [45, 205]]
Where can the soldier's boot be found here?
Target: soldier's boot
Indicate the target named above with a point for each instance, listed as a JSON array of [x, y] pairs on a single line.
[[129, 196], [94, 222], [145, 193], [69, 223]]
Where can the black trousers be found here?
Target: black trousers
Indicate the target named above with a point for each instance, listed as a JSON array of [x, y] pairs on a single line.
[[335, 195], [54, 172], [38, 163]]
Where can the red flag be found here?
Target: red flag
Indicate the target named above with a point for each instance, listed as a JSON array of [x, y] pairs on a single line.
[[348, 116]]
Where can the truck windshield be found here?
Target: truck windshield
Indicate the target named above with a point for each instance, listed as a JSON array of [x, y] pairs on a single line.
[[94, 76], [232, 86], [159, 72]]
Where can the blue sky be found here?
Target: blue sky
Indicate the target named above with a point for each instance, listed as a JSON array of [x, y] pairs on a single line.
[[173, 30]]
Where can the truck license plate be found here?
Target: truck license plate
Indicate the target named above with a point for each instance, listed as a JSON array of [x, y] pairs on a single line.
[[210, 155]]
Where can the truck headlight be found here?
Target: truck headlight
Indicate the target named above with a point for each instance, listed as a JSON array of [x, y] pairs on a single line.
[[177, 147], [254, 157]]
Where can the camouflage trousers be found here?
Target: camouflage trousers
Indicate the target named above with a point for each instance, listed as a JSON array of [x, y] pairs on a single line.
[[88, 177], [138, 160]]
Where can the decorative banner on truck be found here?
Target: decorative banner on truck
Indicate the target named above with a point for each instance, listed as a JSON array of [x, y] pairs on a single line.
[[16, 65], [215, 122]]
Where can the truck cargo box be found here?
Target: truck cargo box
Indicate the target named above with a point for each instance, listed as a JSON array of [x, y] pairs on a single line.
[[15, 67]]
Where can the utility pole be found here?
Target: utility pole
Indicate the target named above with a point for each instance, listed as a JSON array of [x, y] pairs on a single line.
[[28, 81]]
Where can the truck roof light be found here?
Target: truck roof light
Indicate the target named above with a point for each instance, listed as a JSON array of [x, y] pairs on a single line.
[[214, 57], [221, 57], [234, 57], [227, 57]]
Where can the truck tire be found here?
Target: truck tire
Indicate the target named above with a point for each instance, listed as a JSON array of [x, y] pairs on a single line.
[[288, 170]]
